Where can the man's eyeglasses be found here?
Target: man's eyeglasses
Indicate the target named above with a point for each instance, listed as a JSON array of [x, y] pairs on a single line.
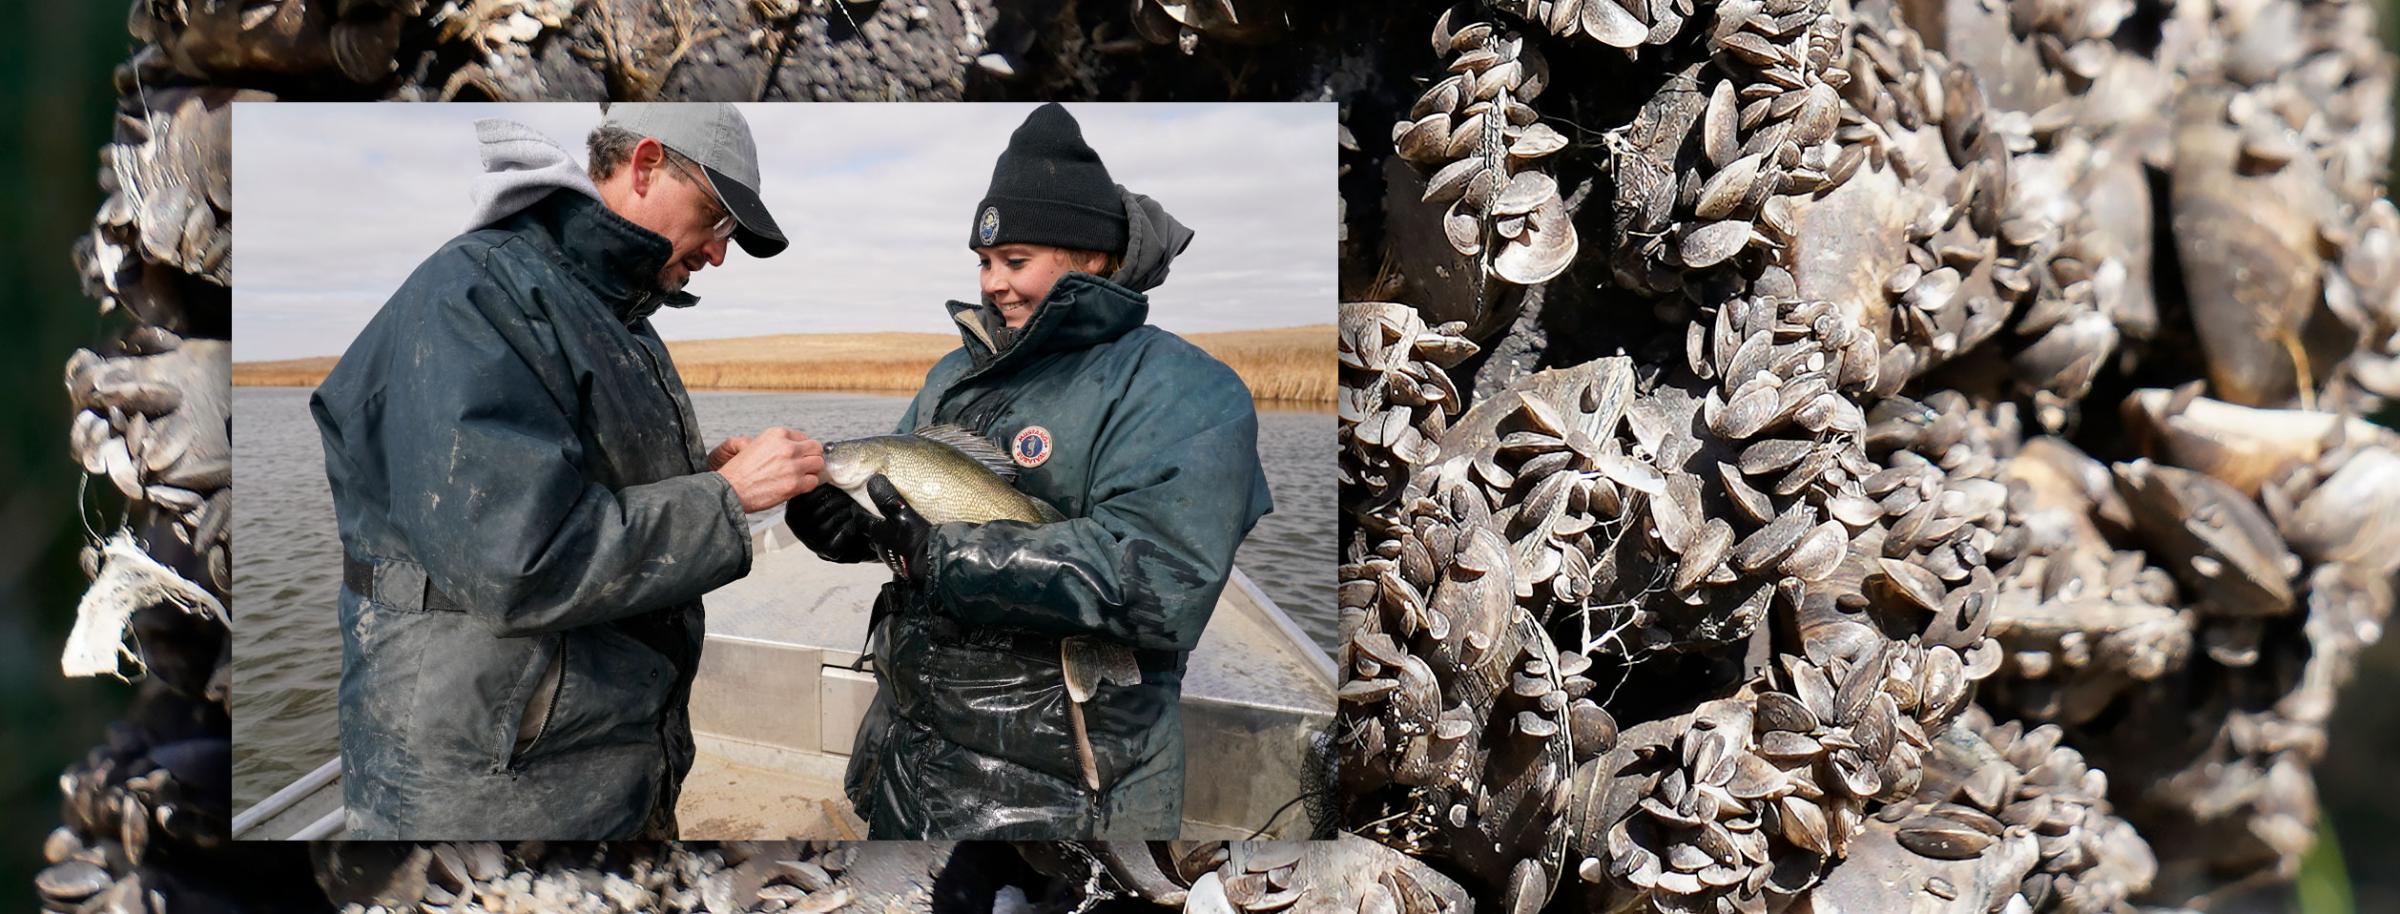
[[723, 227]]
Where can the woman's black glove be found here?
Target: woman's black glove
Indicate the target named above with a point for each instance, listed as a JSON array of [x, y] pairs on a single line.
[[902, 536], [832, 524]]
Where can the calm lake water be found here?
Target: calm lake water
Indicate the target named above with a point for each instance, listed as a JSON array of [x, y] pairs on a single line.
[[287, 650]]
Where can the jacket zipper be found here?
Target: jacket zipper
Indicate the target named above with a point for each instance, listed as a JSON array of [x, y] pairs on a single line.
[[658, 376]]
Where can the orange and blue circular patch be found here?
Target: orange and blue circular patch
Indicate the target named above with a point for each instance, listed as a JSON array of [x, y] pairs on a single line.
[[1031, 447]]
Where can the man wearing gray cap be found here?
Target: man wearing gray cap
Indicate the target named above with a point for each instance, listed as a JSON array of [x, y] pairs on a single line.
[[527, 514]]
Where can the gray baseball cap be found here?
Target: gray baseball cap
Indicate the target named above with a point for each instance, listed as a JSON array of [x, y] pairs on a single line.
[[716, 136]]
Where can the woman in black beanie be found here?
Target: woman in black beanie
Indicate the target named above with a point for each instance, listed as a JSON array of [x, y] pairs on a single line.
[[1147, 445]]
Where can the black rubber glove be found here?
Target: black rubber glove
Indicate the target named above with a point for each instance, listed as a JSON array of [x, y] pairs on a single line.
[[831, 524], [901, 536]]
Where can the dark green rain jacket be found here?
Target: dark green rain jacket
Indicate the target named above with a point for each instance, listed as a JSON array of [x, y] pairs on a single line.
[[520, 489], [1150, 448]]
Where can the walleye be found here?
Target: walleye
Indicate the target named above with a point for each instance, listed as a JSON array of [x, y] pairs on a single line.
[[946, 473]]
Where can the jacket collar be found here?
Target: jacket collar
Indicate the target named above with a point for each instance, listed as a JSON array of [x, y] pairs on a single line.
[[1081, 310], [616, 259]]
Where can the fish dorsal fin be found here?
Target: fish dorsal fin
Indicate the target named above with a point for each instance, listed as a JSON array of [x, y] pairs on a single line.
[[976, 447]]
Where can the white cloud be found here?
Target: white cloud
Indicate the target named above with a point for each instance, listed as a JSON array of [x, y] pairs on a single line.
[[338, 203]]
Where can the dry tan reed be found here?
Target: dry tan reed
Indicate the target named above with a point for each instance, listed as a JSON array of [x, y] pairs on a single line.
[[290, 373], [1282, 365]]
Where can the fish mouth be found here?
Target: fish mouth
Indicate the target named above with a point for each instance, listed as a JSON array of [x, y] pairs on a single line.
[[845, 472], [842, 469]]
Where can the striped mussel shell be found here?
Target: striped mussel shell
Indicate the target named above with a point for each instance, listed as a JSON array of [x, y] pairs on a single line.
[[1748, 486], [1477, 136], [1460, 715], [1713, 171], [1540, 466], [1702, 828], [143, 796], [2219, 543], [2078, 105], [1747, 801], [1624, 24], [1925, 134], [1430, 607], [151, 418], [432, 878], [2301, 125], [1184, 23], [146, 813], [2088, 857], [267, 42], [171, 197], [1396, 398], [1947, 512], [1419, 740], [2228, 799], [2082, 623], [2213, 527], [1340, 875], [2005, 818]]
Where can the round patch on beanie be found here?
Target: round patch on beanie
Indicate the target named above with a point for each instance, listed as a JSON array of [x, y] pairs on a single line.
[[1032, 447], [988, 227]]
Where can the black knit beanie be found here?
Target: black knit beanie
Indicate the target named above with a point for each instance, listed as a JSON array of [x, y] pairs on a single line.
[[1050, 188]]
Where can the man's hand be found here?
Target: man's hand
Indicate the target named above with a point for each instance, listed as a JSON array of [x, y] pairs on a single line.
[[725, 451], [771, 467]]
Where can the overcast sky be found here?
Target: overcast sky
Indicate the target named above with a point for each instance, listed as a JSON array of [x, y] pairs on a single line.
[[339, 202]]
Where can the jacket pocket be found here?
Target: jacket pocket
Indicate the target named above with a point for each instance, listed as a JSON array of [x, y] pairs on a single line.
[[541, 706], [611, 691]]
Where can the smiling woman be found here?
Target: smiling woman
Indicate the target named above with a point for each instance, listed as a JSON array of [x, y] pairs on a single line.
[[1017, 276], [1148, 449]]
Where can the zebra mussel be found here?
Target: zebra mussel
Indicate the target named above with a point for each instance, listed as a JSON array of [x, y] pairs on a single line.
[[2005, 819], [1397, 398], [1182, 23], [1855, 496], [1481, 142], [752, 877], [1349, 874], [2285, 110]]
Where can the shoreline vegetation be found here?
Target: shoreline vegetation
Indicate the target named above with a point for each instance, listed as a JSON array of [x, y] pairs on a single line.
[[1284, 365]]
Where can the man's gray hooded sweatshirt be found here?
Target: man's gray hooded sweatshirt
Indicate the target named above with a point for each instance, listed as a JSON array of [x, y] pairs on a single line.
[[526, 524]]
